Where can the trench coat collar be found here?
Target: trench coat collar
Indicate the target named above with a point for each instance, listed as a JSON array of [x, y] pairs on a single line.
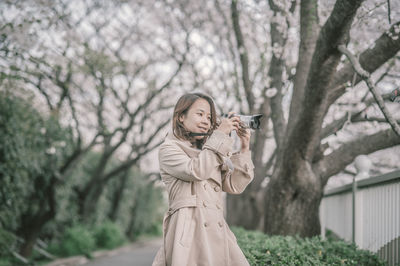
[[171, 136], [190, 150]]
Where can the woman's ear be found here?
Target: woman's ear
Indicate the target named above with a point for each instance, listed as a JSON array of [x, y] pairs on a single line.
[[181, 118]]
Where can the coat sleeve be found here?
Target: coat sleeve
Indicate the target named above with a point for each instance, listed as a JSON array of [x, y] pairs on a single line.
[[175, 162], [234, 182]]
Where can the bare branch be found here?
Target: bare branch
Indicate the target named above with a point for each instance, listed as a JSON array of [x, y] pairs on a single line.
[[384, 48], [366, 77], [338, 124], [75, 118], [276, 69], [132, 161], [336, 161], [232, 54], [244, 59], [153, 94], [355, 116], [372, 119]]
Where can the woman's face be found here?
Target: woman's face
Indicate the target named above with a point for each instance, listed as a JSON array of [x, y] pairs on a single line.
[[197, 118]]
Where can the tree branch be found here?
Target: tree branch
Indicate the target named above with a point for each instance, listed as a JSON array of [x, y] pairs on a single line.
[[338, 124], [278, 40], [166, 84], [305, 135], [309, 29], [243, 55], [384, 48], [127, 164], [366, 77], [231, 53], [390, 21], [336, 161]]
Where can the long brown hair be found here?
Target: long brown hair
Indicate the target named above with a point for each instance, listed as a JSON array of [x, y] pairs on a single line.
[[181, 108]]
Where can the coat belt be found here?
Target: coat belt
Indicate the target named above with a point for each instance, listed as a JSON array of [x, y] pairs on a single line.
[[181, 203]]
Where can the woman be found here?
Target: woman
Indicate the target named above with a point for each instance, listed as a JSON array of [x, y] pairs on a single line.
[[196, 165]]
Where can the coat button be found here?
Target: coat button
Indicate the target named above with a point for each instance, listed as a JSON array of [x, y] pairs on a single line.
[[204, 204], [229, 154], [220, 224], [205, 186], [246, 167], [218, 207], [217, 189], [206, 224]]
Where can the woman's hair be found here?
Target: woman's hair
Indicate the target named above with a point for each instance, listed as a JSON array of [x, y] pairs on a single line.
[[182, 107]]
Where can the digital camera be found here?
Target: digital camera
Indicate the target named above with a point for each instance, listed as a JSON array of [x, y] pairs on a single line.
[[248, 121]]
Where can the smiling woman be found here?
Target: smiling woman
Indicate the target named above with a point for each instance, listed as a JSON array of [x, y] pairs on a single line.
[[198, 118], [197, 165], [194, 118]]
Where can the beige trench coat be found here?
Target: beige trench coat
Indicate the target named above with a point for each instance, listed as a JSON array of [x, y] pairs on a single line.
[[194, 229]]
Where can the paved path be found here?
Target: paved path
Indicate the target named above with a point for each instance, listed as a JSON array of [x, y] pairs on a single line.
[[137, 254]]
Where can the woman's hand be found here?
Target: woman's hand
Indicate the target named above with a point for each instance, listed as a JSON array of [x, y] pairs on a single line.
[[228, 124], [245, 140]]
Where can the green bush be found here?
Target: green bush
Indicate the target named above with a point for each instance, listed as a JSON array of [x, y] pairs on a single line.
[[108, 235], [261, 249], [34, 148], [147, 210], [8, 243], [76, 240], [7, 262], [7, 240]]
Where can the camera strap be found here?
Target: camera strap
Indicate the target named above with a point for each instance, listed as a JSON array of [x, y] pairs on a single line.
[[197, 134]]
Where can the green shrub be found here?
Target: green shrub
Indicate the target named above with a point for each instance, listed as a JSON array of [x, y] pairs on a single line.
[[156, 229], [76, 240], [261, 249], [7, 240], [7, 262], [108, 235]]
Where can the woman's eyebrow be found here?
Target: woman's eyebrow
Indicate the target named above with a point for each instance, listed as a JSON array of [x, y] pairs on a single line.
[[201, 110]]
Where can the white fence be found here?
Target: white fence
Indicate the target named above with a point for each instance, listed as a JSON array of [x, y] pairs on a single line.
[[376, 215]]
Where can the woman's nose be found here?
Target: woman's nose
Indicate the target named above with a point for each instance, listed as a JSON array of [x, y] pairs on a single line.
[[205, 121]]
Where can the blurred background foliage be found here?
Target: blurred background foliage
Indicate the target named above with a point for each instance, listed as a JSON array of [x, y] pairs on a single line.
[[87, 91], [33, 148]]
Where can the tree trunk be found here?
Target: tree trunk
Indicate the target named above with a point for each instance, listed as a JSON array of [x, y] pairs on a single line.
[[131, 229], [293, 207], [294, 192], [243, 210], [249, 201], [32, 222], [117, 196], [30, 229], [29, 241], [88, 199]]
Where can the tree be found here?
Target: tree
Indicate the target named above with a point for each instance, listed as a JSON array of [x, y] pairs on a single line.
[[250, 57], [302, 169], [34, 151], [306, 78], [146, 211], [263, 73], [107, 79]]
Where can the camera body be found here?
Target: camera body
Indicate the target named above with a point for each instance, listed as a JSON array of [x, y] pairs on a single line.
[[248, 121], [251, 121]]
